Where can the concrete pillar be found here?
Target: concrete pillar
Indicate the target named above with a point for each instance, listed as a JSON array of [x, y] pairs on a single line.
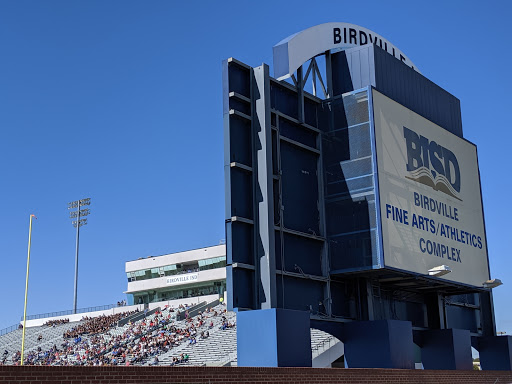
[[379, 344], [273, 338], [446, 349], [495, 353]]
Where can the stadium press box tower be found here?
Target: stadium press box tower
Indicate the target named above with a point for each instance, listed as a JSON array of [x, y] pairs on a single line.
[[355, 209]]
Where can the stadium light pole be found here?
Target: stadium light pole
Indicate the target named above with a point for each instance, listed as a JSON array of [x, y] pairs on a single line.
[[78, 204], [26, 289]]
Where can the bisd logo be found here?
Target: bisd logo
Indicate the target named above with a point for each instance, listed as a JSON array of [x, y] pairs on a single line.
[[431, 164]]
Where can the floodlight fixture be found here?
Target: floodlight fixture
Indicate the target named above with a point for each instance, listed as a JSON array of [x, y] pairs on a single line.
[[77, 214], [493, 283], [81, 222], [439, 270], [82, 212]]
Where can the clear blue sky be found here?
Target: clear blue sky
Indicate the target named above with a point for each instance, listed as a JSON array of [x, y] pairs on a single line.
[[120, 101]]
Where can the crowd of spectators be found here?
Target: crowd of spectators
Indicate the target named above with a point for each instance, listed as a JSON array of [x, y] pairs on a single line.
[[95, 325], [53, 323], [138, 343]]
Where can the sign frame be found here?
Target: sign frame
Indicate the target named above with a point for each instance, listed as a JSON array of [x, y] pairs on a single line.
[[383, 253]]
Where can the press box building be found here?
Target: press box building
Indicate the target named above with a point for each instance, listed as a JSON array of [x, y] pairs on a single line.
[[183, 275], [355, 209]]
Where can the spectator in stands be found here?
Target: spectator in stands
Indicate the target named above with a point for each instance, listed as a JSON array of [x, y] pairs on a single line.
[[205, 334], [17, 356]]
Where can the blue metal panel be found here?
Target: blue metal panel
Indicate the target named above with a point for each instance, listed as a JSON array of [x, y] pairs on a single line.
[[462, 318], [256, 338], [365, 55], [379, 344], [496, 353], [414, 91], [341, 79], [355, 67], [273, 338], [352, 69], [293, 338], [446, 349], [372, 66]]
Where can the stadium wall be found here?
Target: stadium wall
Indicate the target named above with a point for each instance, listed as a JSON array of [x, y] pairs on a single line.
[[154, 375]]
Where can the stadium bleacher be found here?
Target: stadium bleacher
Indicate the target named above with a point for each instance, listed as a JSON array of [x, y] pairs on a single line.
[[205, 336]]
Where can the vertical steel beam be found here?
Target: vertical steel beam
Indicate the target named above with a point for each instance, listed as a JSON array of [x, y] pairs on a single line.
[[369, 300], [328, 74], [487, 319], [300, 93], [442, 311], [313, 73], [227, 183], [435, 310], [264, 226], [323, 228], [281, 210]]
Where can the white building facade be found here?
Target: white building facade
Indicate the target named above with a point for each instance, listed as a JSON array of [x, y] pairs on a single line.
[[194, 273]]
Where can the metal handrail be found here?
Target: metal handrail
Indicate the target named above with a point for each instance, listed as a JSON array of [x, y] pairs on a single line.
[[9, 329], [71, 312], [322, 344]]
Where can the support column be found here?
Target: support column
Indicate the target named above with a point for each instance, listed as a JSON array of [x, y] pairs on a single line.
[[379, 344], [446, 349], [273, 338], [263, 193], [495, 353]]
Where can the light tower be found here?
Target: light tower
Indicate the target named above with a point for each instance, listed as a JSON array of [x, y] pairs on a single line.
[[77, 223]]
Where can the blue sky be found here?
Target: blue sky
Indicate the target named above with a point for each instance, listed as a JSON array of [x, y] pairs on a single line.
[[120, 101]]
